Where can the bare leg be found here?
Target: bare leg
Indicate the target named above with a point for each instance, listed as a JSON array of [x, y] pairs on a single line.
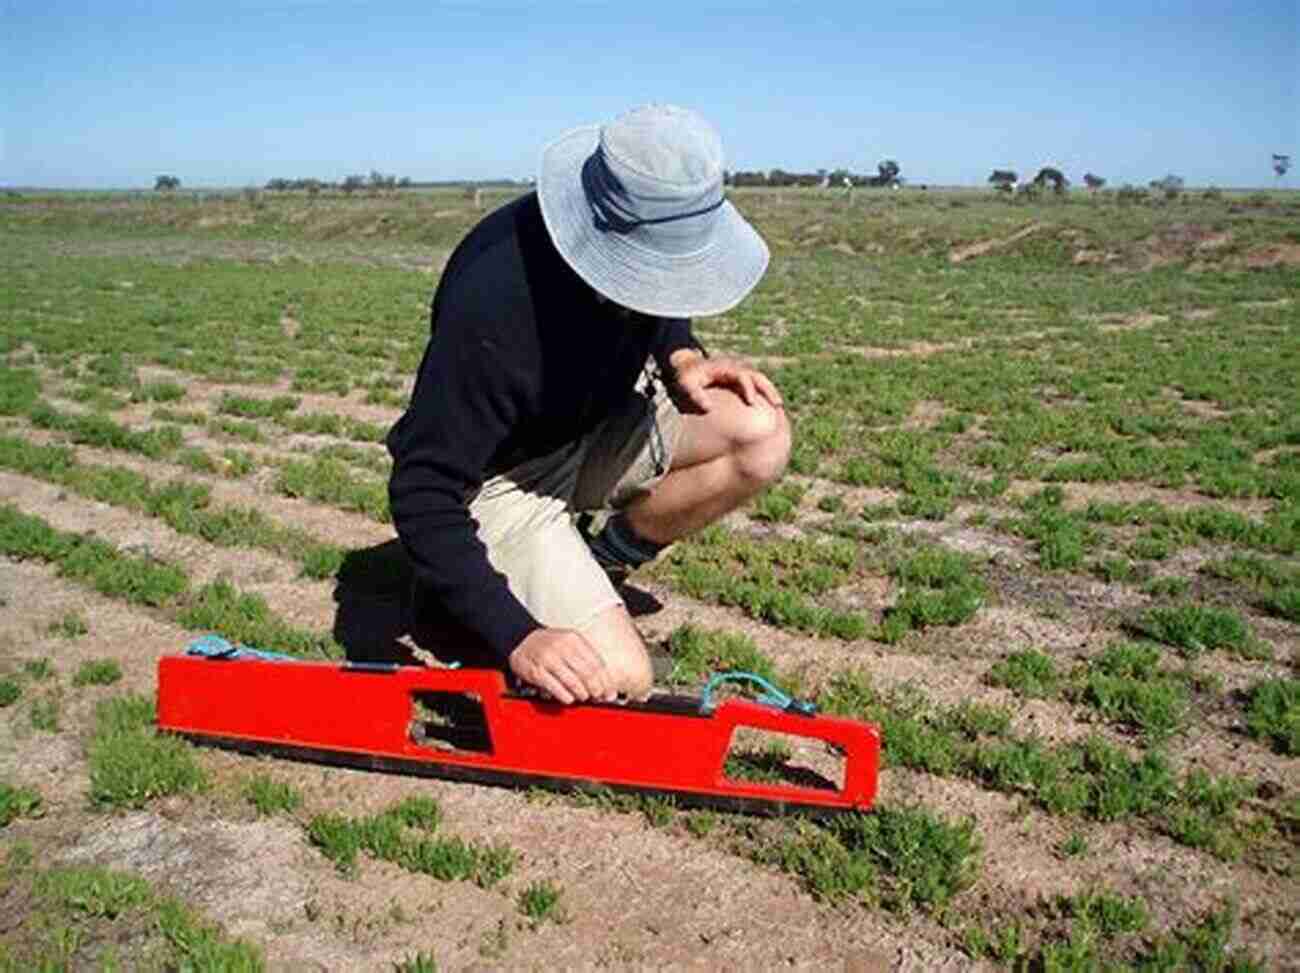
[[731, 453]]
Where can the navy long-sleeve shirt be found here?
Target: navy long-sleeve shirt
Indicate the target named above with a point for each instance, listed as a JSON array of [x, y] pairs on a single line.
[[523, 359]]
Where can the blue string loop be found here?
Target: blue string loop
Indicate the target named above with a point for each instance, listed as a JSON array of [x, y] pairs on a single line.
[[215, 647], [771, 696]]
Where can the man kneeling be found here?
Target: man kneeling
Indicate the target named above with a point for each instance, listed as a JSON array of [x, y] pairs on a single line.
[[562, 377]]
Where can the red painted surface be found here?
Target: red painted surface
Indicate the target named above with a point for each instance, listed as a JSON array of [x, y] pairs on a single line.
[[335, 708]]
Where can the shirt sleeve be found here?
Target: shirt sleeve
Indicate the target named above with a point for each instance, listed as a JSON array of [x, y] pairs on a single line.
[[468, 396], [674, 334]]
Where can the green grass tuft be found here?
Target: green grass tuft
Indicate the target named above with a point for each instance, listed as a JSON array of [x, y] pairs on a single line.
[[1195, 628], [937, 587], [404, 834], [70, 626], [698, 652], [97, 672], [540, 902], [130, 765], [270, 796], [1273, 714], [1029, 672], [18, 802], [244, 618], [135, 579]]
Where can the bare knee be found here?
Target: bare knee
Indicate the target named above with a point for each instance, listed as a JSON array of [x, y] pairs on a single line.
[[619, 643], [756, 437], [762, 452]]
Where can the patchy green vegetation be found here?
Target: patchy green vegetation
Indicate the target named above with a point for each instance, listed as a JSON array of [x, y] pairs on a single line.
[[989, 504], [79, 916], [898, 857], [405, 834], [936, 587], [779, 582], [1195, 628], [216, 607], [139, 580]]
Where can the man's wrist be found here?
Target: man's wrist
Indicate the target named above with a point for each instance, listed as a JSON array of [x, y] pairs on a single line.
[[682, 357]]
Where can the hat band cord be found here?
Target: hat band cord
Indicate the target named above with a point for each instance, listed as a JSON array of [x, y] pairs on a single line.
[[603, 189]]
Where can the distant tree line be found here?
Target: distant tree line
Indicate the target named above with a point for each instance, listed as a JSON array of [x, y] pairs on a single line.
[[375, 181], [1049, 177], [888, 173]]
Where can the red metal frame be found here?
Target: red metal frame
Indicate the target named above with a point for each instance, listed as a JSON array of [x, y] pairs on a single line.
[[365, 716]]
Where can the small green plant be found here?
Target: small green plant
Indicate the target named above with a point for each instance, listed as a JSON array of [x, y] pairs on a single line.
[[1273, 714], [830, 503], [658, 811], [45, 713], [419, 963], [937, 587], [1126, 686], [38, 670], [1109, 915], [699, 652], [18, 802], [1201, 946], [95, 892], [10, 692], [129, 764], [778, 504], [70, 626], [97, 672], [270, 796], [1202, 814], [140, 580], [1166, 587], [701, 823], [1074, 846], [158, 392], [1114, 569], [540, 902], [1194, 628], [1284, 603], [245, 618], [1028, 672]]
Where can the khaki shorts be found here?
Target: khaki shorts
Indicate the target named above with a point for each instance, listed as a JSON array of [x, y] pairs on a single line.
[[526, 515]]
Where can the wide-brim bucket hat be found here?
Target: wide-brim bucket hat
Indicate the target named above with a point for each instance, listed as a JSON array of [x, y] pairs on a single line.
[[636, 208]]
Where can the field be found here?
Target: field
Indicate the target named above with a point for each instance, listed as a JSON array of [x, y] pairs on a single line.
[[1041, 523]]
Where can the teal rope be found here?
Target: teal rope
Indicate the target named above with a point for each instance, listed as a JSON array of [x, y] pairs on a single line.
[[771, 696], [215, 647]]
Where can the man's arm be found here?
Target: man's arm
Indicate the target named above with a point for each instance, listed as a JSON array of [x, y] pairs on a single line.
[[466, 401], [463, 406]]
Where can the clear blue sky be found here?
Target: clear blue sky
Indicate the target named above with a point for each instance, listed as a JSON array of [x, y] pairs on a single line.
[[115, 92]]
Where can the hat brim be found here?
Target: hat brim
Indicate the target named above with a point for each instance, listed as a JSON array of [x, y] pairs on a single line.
[[709, 281]]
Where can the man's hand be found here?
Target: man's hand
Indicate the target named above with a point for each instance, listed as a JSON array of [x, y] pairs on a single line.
[[563, 664], [693, 373]]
